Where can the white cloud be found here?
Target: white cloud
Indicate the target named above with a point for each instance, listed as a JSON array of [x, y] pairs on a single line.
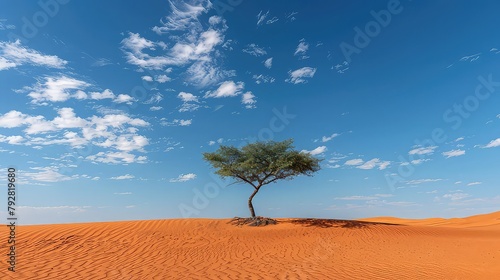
[[383, 165], [156, 98], [55, 89], [328, 138], [6, 26], [356, 197], [47, 175], [187, 97], [362, 197], [176, 122], [419, 161], [206, 72], [302, 48], [254, 50], [155, 108], [226, 89], [354, 162], [14, 54], [456, 196], [474, 183], [248, 99], [123, 177], [454, 153], [194, 48], [459, 139], [188, 107], [147, 78], [261, 17], [374, 163], [5, 64], [423, 150], [123, 193], [162, 79], [259, 79], [268, 63], [124, 98], [12, 118], [471, 58], [273, 20], [12, 140], [185, 122], [116, 157], [68, 119], [319, 150], [183, 178], [214, 20], [493, 143], [106, 94], [297, 76], [125, 142], [184, 16], [291, 17], [113, 131], [421, 181]]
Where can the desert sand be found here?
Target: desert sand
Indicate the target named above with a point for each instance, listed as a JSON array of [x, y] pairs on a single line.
[[378, 248]]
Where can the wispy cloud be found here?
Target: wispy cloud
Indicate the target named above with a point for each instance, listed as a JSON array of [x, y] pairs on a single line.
[[493, 143], [454, 153], [317, 151], [184, 15], [176, 122], [421, 181], [196, 49], [248, 99], [354, 162], [254, 50], [261, 18], [374, 163], [183, 178], [4, 26], [328, 138], [291, 16], [301, 49], [116, 132], [13, 54], [363, 197], [471, 58], [226, 89], [298, 76], [423, 150], [456, 196], [268, 63], [123, 177], [263, 79]]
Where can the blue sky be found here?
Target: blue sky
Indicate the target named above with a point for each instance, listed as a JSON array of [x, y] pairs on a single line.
[[108, 106]]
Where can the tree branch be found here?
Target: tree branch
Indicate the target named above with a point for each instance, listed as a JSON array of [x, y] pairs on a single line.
[[244, 179]]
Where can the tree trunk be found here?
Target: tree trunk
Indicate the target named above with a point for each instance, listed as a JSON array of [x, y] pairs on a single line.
[[252, 212]]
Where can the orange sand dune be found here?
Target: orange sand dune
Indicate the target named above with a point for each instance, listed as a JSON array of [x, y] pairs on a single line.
[[292, 249], [484, 221]]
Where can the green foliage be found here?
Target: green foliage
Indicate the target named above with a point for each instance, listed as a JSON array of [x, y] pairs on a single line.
[[261, 163]]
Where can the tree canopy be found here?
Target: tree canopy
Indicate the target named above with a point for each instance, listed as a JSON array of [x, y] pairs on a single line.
[[261, 163]]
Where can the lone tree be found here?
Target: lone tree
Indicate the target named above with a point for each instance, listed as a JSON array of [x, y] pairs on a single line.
[[261, 163]]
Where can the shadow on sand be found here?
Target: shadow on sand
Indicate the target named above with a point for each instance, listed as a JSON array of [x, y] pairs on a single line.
[[327, 223]]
